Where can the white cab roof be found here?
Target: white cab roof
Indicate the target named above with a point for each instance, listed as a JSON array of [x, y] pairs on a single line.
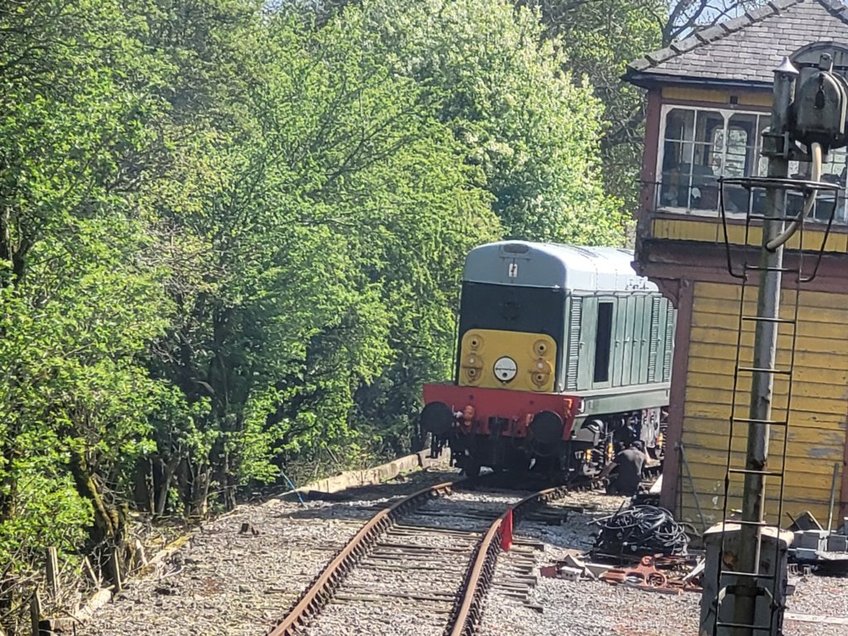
[[584, 269]]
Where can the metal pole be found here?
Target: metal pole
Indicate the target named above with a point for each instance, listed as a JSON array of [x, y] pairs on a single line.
[[765, 349]]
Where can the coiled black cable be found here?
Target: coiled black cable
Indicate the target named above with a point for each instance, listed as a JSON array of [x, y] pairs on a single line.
[[641, 531]]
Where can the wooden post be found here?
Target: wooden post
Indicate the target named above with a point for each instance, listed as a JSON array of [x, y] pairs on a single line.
[[95, 578], [35, 614], [115, 563], [141, 556], [53, 571], [832, 497]]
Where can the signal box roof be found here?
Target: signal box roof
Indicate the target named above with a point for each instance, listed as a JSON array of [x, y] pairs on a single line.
[[556, 266], [745, 51]]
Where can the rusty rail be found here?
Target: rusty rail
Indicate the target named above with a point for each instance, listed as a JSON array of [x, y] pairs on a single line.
[[325, 584], [469, 610]]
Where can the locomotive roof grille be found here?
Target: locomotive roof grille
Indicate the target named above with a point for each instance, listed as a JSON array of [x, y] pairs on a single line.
[[568, 267], [514, 247]]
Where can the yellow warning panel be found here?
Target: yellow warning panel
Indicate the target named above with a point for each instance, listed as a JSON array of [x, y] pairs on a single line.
[[496, 359]]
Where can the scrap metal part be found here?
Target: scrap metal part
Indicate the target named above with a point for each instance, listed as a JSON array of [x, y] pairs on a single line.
[[646, 576]]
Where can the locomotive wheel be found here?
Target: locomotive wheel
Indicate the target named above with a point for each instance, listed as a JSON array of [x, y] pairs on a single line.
[[517, 461]]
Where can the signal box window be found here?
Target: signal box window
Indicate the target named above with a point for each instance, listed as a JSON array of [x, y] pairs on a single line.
[[603, 340]]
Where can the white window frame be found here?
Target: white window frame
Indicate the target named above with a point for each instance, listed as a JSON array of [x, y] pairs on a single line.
[[726, 114], [841, 216]]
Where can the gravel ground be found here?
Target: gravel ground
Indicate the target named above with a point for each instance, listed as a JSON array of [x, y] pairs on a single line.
[[822, 596], [224, 582], [408, 583], [593, 608]]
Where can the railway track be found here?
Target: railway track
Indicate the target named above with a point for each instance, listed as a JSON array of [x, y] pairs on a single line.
[[423, 565]]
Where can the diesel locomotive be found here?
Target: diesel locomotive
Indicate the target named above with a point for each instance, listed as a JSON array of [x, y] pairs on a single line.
[[563, 357]]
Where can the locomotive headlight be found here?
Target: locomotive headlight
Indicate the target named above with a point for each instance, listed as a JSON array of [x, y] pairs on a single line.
[[540, 348], [540, 372], [505, 369], [472, 367]]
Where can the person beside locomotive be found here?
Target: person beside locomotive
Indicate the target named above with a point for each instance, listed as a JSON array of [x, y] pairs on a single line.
[[626, 470]]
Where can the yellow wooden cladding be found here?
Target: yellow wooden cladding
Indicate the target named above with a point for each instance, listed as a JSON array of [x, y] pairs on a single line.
[[675, 93], [836, 242], [711, 230], [753, 235], [685, 230], [812, 238], [818, 405]]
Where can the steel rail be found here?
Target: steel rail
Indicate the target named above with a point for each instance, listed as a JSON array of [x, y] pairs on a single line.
[[313, 600], [468, 611]]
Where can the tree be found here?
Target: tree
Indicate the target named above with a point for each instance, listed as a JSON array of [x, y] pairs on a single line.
[[297, 236], [598, 40], [501, 88], [77, 303]]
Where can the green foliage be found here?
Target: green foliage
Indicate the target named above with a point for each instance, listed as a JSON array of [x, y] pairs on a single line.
[[231, 237], [299, 238], [79, 301], [597, 40], [502, 88]]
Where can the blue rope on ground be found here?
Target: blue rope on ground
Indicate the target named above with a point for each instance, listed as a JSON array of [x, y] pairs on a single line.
[[293, 487]]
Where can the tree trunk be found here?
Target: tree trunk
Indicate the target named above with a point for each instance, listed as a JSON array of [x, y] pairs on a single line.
[[7, 251], [226, 480], [143, 493], [8, 478], [164, 479], [196, 489], [109, 533]]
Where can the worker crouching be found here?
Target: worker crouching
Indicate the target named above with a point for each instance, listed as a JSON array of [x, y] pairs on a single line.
[[625, 470]]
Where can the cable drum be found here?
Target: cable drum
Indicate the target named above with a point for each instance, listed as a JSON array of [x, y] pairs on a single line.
[[641, 531]]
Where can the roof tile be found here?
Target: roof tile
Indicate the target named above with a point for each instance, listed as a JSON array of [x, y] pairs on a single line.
[[735, 24], [749, 47], [684, 45], [658, 57], [710, 34], [760, 13], [640, 64]]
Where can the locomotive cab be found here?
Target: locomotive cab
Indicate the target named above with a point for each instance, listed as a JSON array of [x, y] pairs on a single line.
[[563, 354]]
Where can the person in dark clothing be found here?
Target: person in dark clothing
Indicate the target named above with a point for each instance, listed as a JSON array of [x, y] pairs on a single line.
[[628, 466]]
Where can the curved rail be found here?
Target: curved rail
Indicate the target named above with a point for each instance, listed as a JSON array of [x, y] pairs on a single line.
[[319, 593], [467, 617]]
